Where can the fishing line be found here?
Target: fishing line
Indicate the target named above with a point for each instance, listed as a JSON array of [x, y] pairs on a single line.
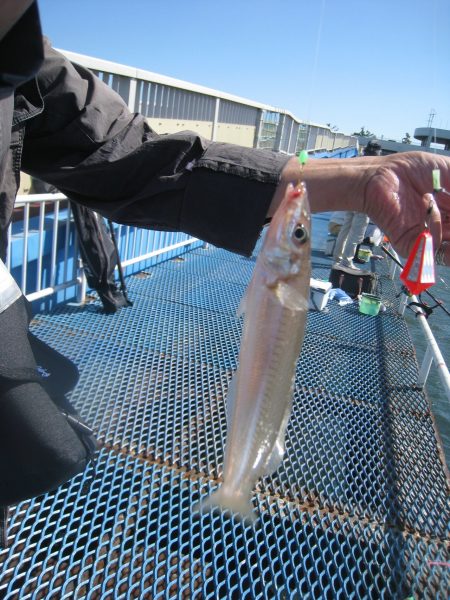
[[436, 189], [419, 272], [315, 62], [434, 61]]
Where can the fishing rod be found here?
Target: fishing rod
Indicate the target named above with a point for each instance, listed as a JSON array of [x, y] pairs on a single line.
[[428, 310]]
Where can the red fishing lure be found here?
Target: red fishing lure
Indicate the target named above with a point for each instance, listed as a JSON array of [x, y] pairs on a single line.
[[418, 273]]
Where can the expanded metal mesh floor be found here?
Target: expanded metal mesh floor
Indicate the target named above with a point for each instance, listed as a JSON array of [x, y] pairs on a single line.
[[358, 509]]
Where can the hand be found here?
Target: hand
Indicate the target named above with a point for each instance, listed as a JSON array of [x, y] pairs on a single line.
[[395, 191], [396, 199]]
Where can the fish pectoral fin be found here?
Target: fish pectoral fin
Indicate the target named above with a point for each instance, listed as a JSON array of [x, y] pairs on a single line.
[[289, 297]]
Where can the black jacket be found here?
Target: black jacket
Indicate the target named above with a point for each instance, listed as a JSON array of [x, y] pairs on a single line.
[[73, 131]]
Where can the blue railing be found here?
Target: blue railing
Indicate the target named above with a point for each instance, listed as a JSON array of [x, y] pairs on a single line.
[[43, 250]]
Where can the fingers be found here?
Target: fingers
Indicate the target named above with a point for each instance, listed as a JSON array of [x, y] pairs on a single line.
[[433, 219], [418, 211]]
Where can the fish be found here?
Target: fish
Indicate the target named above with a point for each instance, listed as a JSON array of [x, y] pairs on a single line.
[[260, 394]]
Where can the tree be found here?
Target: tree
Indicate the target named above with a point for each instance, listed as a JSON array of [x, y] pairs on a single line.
[[364, 132], [406, 139]]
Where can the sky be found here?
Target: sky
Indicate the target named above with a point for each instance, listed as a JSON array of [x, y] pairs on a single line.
[[379, 64]]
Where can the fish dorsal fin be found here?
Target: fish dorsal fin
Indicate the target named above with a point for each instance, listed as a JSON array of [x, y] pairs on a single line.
[[289, 297]]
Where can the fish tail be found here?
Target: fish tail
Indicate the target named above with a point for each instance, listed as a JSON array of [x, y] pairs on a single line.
[[228, 501]]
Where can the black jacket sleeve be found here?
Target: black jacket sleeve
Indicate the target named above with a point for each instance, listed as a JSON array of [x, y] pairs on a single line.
[[90, 146]]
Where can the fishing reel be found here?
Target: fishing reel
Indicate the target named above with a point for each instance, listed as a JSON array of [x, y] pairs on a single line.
[[424, 306], [427, 309]]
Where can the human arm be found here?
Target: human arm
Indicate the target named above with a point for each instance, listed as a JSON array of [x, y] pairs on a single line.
[[88, 144], [393, 190]]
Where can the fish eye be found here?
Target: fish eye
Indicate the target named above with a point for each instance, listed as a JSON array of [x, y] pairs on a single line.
[[300, 234]]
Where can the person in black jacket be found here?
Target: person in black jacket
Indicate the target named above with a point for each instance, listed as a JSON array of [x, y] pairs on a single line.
[[61, 124], [71, 130]]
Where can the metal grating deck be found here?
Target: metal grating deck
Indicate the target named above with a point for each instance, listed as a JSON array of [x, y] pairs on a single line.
[[359, 508]]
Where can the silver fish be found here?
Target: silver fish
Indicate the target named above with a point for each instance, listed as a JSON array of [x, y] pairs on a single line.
[[259, 399]]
